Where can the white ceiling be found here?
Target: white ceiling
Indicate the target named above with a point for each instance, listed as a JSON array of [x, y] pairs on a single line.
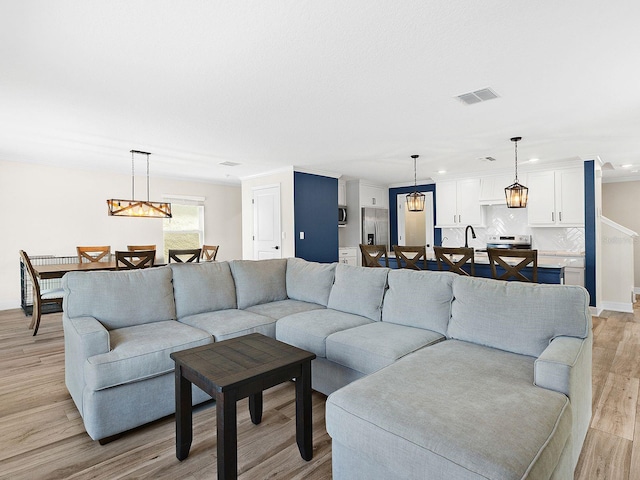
[[345, 87]]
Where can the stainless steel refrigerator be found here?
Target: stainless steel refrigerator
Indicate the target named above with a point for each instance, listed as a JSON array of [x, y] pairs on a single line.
[[375, 226]]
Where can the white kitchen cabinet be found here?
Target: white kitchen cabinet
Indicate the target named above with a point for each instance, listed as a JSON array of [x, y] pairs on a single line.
[[458, 203], [348, 255], [342, 192], [556, 198], [574, 276], [492, 189], [373, 196]]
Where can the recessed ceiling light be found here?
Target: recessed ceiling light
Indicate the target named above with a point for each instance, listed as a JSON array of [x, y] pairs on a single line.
[[534, 159], [442, 172], [626, 165]]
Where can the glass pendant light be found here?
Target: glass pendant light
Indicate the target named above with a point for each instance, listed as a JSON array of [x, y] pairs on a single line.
[[517, 195], [415, 200]]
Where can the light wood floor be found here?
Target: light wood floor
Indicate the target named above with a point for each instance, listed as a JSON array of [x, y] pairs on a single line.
[[41, 432]]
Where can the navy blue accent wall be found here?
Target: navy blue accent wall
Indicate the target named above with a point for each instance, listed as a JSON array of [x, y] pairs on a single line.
[[393, 210], [316, 214], [590, 229]]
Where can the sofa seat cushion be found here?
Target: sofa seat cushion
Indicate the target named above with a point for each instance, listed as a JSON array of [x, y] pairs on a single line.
[[283, 308], [309, 330], [140, 352], [463, 410], [224, 324], [373, 346]]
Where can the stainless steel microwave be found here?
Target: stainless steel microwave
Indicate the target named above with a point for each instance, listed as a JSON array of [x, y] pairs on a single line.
[[342, 215]]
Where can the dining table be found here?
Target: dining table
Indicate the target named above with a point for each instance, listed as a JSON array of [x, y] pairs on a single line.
[[57, 270]]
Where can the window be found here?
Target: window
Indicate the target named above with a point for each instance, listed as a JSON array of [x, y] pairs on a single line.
[[186, 227]]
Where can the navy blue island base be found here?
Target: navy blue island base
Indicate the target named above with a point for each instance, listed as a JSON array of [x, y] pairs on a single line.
[[553, 275]]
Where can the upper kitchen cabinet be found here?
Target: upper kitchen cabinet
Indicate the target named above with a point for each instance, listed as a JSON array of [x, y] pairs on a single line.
[[556, 198], [458, 203], [373, 196], [342, 192]]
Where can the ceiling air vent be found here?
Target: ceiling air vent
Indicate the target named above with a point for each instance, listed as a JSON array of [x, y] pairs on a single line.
[[478, 96], [229, 164]]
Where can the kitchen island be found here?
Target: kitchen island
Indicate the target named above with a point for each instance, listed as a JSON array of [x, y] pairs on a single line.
[[548, 272]]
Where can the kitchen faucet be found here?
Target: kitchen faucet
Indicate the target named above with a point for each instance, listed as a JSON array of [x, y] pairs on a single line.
[[466, 235]]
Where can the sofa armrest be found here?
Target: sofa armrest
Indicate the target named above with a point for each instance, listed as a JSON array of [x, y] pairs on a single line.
[[565, 366], [555, 366], [89, 334], [84, 337]]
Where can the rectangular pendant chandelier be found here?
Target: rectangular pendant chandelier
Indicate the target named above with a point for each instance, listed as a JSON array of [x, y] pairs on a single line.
[[138, 208]]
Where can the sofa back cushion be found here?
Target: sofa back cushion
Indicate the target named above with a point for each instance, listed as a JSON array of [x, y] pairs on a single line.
[[517, 317], [358, 290], [309, 281], [202, 287], [419, 299], [259, 281], [120, 299]]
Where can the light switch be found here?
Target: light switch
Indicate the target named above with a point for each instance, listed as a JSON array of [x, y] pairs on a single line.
[[301, 235]]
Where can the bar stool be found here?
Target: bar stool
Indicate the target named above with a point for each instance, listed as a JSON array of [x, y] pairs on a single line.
[[371, 255], [499, 257], [444, 257]]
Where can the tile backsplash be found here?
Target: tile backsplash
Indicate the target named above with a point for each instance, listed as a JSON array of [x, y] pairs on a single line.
[[500, 220]]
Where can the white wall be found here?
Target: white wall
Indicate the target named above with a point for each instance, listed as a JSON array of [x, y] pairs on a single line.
[[285, 180], [49, 211]]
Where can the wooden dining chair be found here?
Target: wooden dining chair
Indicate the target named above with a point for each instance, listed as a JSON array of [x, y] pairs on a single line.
[[93, 254], [40, 297], [411, 257], [135, 259], [209, 252], [185, 255], [453, 259], [371, 255], [135, 248], [513, 261]]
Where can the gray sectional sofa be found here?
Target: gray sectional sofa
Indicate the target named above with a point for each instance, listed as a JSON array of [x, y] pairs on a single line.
[[429, 375]]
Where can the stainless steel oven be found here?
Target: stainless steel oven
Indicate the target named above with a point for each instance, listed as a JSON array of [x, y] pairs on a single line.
[[509, 241]]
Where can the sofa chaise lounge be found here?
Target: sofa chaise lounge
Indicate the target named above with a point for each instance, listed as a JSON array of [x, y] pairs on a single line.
[[429, 375]]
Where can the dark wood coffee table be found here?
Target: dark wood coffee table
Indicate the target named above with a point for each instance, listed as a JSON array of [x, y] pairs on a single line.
[[230, 371]]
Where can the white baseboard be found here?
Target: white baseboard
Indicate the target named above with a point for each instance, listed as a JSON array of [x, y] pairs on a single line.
[[596, 311], [8, 306], [626, 307]]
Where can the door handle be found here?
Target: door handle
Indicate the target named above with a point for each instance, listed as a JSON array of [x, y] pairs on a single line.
[[277, 247]]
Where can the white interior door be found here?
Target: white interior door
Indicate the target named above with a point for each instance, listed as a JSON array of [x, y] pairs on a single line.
[[266, 223]]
